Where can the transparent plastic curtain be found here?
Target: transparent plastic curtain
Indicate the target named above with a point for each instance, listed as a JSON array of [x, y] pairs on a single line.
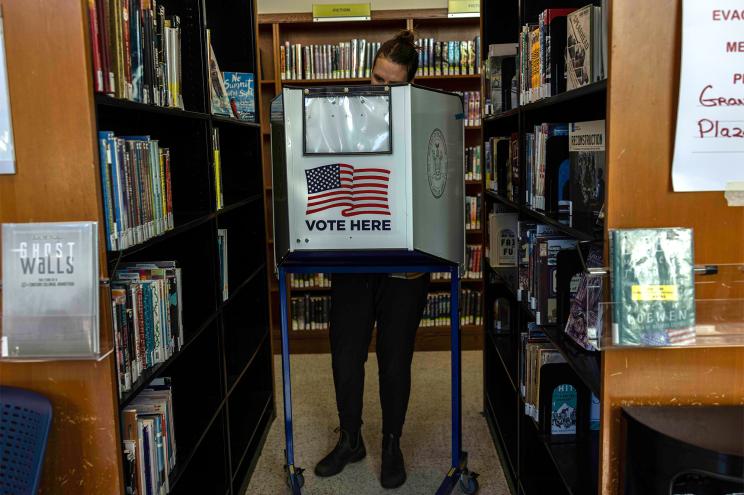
[[340, 124]]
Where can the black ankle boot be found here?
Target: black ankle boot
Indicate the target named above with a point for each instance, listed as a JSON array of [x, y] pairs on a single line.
[[350, 448], [393, 472]]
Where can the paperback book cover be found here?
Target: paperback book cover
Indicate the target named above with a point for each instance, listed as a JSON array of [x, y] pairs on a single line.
[[240, 91], [547, 295], [579, 47], [563, 410], [584, 317], [653, 286], [586, 150], [50, 290]]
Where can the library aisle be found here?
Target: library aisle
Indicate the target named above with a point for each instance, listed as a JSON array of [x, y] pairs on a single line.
[[426, 436]]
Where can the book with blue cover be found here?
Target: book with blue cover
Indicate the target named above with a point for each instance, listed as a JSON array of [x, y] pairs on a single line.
[[241, 92]]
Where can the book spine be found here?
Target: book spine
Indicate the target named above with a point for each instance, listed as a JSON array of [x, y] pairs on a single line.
[[135, 54], [105, 165], [154, 158], [147, 73], [95, 44], [116, 184], [168, 184], [121, 48], [157, 55], [362, 58], [103, 13], [163, 189], [217, 169]]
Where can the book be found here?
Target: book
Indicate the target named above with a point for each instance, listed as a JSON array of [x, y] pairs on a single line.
[[217, 167], [586, 149], [545, 287], [503, 239], [584, 51], [50, 283], [220, 101], [222, 252], [563, 410], [584, 318], [147, 315], [653, 286], [136, 51]]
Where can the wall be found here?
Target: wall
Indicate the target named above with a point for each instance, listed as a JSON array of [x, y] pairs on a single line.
[[280, 6]]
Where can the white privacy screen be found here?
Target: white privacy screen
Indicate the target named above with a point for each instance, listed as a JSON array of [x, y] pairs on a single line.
[[345, 124]]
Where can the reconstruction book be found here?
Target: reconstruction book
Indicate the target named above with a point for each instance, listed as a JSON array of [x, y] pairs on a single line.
[[50, 290], [586, 191], [653, 286]]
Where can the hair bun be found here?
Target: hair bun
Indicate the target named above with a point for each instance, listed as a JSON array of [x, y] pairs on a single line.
[[406, 36]]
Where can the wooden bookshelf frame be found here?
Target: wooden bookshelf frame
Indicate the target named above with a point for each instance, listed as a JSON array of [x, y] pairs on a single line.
[[273, 30], [640, 97], [223, 375]]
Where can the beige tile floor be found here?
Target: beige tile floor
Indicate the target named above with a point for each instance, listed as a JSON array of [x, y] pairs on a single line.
[[426, 437]]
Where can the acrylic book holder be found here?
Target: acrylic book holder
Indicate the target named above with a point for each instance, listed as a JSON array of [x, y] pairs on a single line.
[[718, 319]]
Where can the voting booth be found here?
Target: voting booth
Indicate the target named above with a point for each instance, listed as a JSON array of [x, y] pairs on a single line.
[[370, 179], [368, 168]]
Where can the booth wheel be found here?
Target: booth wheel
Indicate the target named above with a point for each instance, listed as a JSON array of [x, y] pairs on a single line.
[[469, 482], [300, 480], [298, 475]]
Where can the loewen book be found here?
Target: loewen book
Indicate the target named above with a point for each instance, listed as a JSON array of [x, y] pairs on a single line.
[[653, 286]]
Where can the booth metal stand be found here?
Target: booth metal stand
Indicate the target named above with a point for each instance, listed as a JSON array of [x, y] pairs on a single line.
[[391, 261]]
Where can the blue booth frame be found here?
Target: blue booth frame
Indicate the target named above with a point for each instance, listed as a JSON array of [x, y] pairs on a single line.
[[387, 261]]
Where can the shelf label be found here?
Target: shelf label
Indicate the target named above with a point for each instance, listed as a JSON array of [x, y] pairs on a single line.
[[342, 12], [709, 144], [460, 8]]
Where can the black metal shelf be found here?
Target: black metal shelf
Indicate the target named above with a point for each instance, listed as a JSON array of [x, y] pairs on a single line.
[[586, 364], [236, 122], [106, 101], [240, 204], [504, 345], [545, 219], [503, 199], [568, 96], [266, 410], [156, 371], [509, 114], [115, 256], [574, 463], [500, 444]]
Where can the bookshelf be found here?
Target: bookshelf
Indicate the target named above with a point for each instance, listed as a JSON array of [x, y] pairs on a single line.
[[273, 31], [222, 377], [640, 116]]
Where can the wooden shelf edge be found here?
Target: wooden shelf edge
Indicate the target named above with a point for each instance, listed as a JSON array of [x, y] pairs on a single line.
[[377, 15]]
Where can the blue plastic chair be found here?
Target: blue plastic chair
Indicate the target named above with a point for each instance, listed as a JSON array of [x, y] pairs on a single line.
[[24, 426]]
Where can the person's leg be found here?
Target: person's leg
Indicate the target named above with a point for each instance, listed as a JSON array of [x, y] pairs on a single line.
[[352, 319], [401, 303]]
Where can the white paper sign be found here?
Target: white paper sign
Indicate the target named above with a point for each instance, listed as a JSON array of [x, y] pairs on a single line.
[[709, 145], [7, 151]]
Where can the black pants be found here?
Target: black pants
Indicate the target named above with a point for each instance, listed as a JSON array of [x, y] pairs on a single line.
[[357, 302]]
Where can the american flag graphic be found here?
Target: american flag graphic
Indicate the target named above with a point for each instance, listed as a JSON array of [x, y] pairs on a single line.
[[358, 191]]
